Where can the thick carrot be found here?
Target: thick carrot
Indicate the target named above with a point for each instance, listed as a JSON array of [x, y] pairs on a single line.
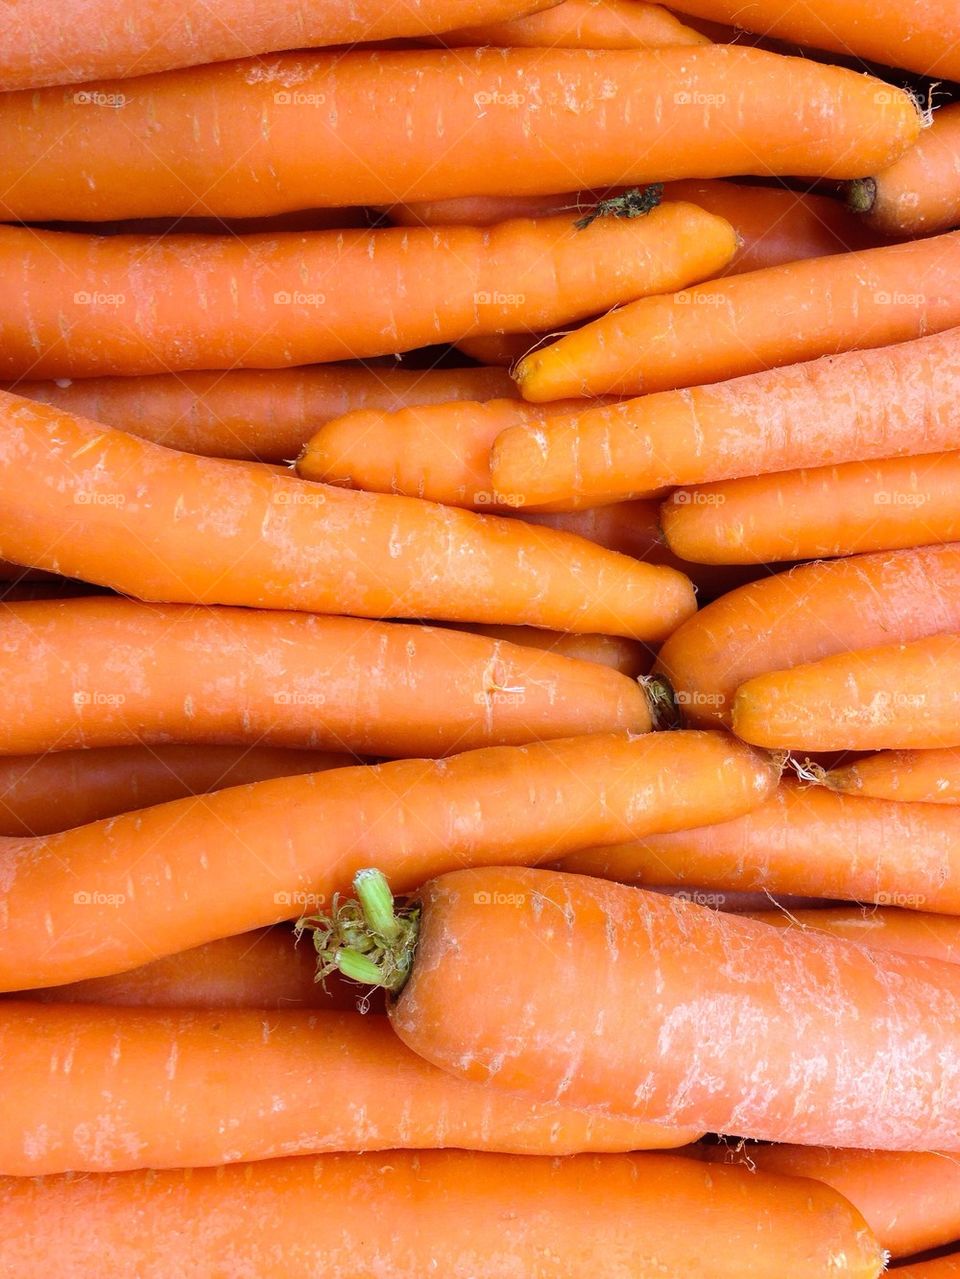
[[303, 131], [919, 193], [239, 1085], [112, 672], [809, 841], [583, 24], [92, 306], [35, 51], [911, 1202], [857, 406], [925, 776], [627, 656], [920, 35], [909, 932], [122, 512], [827, 511], [892, 697], [458, 1213], [809, 613], [260, 969], [42, 794], [648, 1006], [264, 415], [110, 896], [760, 320]]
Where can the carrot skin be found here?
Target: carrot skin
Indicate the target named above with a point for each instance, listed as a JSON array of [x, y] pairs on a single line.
[[706, 1018], [375, 1217], [918, 194], [919, 776], [128, 514], [808, 841], [354, 128], [120, 893], [582, 24], [938, 1268], [908, 932], [629, 657]]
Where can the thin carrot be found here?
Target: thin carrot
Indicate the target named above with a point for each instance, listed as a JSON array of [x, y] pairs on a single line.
[[809, 613], [661, 1009], [930, 777], [919, 193], [112, 672], [453, 1212], [809, 841], [892, 697], [240, 1084], [827, 511], [911, 1202], [921, 35], [122, 512], [107, 897], [583, 24], [264, 415], [35, 51], [90, 306], [760, 320], [302, 131], [627, 656], [909, 932]]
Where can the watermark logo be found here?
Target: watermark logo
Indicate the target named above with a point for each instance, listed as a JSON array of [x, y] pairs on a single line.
[[298, 98], [716, 901], [697, 497], [900, 497], [693, 98], [85, 498], [94, 697], [94, 98], [698, 698], [493, 497], [97, 898], [284, 298], [299, 900], [484, 298], [496, 98], [84, 298], [290, 697], [883, 297]]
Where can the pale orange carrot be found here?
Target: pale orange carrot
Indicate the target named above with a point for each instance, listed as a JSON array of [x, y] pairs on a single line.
[[924, 776], [627, 656]]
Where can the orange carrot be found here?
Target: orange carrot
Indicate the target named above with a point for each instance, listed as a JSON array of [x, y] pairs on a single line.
[[919, 193], [583, 24], [648, 1006], [501, 350], [255, 414], [113, 895], [42, 794], [35, 51], [92, 306], [260, 969], [930, 777], [809, 613], [892, 697], [938, 1268], [911, 1202], [307, 130], [830, 510], [627, 656], [909, 932], [128, 514], [861, 405], [809, 841], [368, 1216], [312, 1082], [920, 35], [112, 672], [761, 320]]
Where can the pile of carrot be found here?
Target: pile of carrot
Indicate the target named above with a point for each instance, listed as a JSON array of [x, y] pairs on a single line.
[[480, 639]]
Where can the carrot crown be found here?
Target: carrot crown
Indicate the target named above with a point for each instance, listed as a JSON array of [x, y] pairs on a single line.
[[367, 939]]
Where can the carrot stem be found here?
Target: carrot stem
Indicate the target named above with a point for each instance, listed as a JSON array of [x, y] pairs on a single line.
[[369, 939]]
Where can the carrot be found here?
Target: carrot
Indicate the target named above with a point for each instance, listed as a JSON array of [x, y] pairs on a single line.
[[909, 1201], [112, 672], [501, 350], [54, 791], [892, 697], [241, 1084], [627, 656], [369, 1216], [113, 895], [361, 128], [760, 320], [925, 776], [919, 193], [919, 35], [255, 414], [830, 510], [908, 932], [937, 1268], [128, 514], [35, 51], [92, 306], [583, 24], [809, 613], [660, 1009], [260, 969], [808, 841]]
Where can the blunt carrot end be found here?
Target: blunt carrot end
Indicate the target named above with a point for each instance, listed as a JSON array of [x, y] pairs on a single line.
[[634, 203], [662, 700], [862, 195]]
